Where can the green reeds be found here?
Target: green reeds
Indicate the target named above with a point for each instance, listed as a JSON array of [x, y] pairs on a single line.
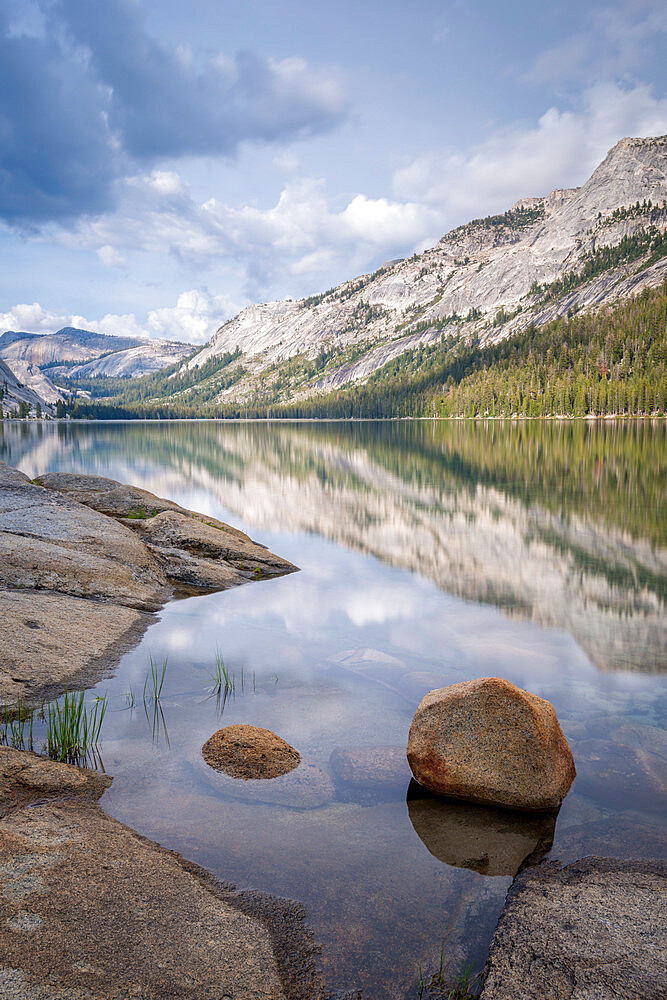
[[465, 986], [224, 680], [72, 731], [16, 727], [154, 680], [226, 683]]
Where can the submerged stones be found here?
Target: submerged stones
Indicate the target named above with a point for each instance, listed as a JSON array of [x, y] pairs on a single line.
[[490, 742], [247, 752], [369, 771]]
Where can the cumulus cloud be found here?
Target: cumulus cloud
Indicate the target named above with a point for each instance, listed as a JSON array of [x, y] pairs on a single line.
[[294, 243], [560, 150], [110, 257], [88, 94], [302, 241], [195, 317]]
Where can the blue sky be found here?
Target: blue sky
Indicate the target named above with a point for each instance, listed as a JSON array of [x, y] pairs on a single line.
[[163, 164]]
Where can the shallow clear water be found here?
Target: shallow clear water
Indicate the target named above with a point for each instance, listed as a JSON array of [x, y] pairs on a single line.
[[428, 554]]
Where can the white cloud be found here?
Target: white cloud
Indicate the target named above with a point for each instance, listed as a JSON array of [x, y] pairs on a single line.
[[560, 150], [304, 242], [286, 162], [110, 257], [195, 317], [301, 235]]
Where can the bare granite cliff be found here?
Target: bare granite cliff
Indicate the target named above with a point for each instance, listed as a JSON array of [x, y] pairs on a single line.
[[483, 280]]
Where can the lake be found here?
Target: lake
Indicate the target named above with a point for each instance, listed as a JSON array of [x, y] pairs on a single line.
[[429, 553]]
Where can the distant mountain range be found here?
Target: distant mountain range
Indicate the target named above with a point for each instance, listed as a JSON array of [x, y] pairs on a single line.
[[429, 323], [35, 360]]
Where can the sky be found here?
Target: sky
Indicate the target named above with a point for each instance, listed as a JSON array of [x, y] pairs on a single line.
[[163, 164]]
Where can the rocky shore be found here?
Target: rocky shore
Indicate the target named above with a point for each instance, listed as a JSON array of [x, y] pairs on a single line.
[[590, 931], [90, 910], [85, 562]]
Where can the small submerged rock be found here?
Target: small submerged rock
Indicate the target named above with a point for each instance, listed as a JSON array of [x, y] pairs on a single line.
[[245, 756], [247, 752], [374, 765], [621, 774], [491, 742]]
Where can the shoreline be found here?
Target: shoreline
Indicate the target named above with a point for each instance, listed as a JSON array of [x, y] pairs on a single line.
[[564, 418]]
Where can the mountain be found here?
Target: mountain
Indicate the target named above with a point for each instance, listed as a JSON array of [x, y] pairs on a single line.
[[68, 344], [36, 381], [141, 359], [547, 257], [96, 353], [14, 391]]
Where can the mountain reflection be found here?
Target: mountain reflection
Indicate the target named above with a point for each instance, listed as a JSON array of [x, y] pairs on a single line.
[[561, 524]]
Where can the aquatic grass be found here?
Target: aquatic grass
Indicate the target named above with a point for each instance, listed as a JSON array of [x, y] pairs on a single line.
[[13, 727], [465, 986], [222, 677], [158, 723], [154, 677], [227, 683], [72, 731]]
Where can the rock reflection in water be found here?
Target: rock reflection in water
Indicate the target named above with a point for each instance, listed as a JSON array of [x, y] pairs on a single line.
[[484, 839]]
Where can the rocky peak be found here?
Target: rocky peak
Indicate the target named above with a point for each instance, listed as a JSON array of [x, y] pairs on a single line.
[[485, 279]]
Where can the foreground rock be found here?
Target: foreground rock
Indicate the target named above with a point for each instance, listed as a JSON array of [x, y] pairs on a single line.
[[191, 548], [51, 641], [83, 568], [592, 930], [491, 742], [249, 752], [90, 909]]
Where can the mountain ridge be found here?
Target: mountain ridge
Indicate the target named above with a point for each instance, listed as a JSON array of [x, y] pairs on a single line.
[[482, 282], [36, 358]]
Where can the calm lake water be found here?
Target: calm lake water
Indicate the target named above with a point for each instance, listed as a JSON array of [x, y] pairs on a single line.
[[430, 553]]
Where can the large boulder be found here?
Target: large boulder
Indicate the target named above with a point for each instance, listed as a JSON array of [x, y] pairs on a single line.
[[491, 742]]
